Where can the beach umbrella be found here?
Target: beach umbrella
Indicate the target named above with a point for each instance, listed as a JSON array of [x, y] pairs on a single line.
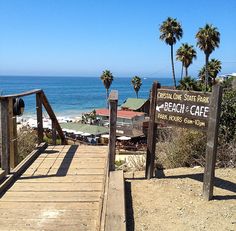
[[123, 138], [68, 130], [85, 134], [73, 131], [78, 132], [105, 136]]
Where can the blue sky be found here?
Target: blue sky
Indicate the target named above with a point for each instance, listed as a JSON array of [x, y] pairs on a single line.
[[82, 38]]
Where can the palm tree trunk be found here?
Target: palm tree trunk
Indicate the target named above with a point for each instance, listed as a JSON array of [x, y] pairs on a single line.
[[107, 97], [206, 77], [172, 63], [136, 94], [214, 81], [182, 72], [186, 71]]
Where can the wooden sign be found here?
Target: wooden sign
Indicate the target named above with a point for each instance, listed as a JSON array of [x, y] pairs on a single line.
[[195, 110], [183, 108]]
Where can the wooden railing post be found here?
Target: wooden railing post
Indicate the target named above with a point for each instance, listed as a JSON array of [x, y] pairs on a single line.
[[15, 141], [54, 133], [53, 117], [12, 134], [151, 137], [4, 135], [39, 117], [113, 102]]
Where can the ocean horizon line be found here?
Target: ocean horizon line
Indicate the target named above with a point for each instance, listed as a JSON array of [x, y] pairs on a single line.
[[79, 76]]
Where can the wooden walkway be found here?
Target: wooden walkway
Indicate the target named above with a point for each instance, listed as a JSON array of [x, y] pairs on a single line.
[[62, 190]]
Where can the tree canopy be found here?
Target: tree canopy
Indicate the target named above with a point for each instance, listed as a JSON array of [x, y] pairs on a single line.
[[185, 54], [208, 38], [171, 31], [137, 83]]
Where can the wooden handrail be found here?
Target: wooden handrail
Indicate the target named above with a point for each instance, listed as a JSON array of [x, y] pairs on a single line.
[[8, 136], [53, 117], [26, 93]]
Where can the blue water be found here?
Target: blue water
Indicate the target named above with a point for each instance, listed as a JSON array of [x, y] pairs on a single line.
[[70, 96]]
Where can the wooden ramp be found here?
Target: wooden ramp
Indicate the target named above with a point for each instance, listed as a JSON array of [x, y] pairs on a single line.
[[62, 190]]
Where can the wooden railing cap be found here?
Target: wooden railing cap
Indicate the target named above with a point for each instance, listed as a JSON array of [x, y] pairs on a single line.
[[35, 91], [113, 95]]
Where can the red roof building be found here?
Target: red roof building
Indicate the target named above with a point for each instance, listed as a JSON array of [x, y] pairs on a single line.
[[123, 117]]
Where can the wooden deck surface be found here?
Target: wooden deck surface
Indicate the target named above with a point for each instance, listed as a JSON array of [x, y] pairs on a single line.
[[62, 190]]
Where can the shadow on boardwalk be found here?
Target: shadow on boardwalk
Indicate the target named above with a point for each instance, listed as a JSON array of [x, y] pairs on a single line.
[[64, 166], [129, 207]]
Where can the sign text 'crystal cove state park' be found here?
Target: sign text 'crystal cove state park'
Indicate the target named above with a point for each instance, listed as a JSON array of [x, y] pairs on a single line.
[[188, 109]]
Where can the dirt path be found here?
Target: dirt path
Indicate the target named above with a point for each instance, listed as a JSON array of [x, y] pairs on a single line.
[[175, 202]]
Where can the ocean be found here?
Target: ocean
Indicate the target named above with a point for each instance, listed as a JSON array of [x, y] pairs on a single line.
[[70, 96]]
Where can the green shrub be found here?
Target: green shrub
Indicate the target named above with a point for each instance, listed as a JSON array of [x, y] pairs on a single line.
[[228, 116], [49, 140], [119, 163]]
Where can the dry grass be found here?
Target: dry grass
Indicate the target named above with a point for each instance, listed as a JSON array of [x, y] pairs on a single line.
[[186, 148], [226, 156], [26, 142]]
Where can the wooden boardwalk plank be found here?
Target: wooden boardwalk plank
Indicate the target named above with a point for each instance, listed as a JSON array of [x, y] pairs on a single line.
[[55, 187], [70, 206], [68, 178], [61, 190], [73, 164], [53, 224], [64, 171], [45, 213]]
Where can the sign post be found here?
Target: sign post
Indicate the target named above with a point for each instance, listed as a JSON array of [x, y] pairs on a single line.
[[212, 141], [151, 142], [189, 109]]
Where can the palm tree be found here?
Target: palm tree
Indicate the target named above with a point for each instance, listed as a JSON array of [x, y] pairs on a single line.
[[171, 31], [137, 83], [202, 74], [186, 53], [107, 79], [213, 69], [180, 57], [187, 83], [208, 38]]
